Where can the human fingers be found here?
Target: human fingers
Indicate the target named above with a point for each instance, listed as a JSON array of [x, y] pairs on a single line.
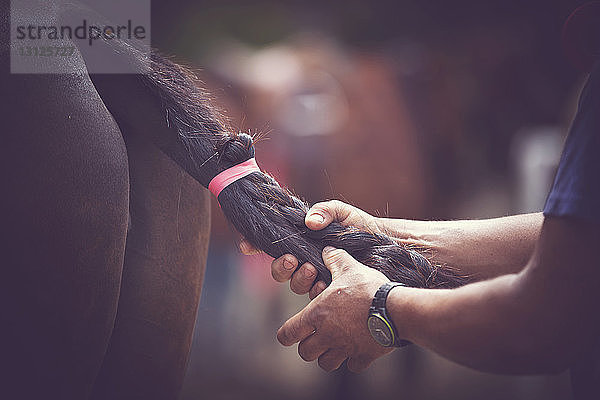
[[337, 261], [311, 348], [322, 214], [302, 280], [358, 364], [247, 249], [332, 359], [316, 289], [283, 267], [295, 329]]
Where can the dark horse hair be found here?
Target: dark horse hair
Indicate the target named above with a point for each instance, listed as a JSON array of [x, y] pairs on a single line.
[[267, 215]]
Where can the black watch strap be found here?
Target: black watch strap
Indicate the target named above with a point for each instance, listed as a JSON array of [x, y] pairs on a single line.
[[379, 306]]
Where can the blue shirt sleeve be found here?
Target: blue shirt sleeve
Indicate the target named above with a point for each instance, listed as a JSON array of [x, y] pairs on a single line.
[[576, 188]]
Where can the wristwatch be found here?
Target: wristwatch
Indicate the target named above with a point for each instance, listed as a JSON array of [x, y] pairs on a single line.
[[379, 322]]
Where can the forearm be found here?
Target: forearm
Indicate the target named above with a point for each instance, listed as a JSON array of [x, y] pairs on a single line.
[[537, 321], [482, 249], [490, 326]]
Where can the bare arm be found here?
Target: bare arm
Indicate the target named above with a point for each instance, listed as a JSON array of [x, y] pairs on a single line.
[[482, 249], [535, 321]]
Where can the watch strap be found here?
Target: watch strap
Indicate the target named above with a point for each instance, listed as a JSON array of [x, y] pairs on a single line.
[[378, 305]]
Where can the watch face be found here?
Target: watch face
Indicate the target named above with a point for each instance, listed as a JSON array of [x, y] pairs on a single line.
[[380, 330]]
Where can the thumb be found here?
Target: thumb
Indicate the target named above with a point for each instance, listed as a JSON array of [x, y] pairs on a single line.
[[318, 217], [322, 214], [337, 261]]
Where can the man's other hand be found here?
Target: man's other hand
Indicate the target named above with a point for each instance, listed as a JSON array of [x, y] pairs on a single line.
[[320, 215], [333, 326]]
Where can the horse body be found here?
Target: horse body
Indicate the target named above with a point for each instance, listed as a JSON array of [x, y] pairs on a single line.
[[104, 242]]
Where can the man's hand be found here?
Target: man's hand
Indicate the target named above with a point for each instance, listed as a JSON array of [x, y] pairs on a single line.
[[333, 327], [318, 217]]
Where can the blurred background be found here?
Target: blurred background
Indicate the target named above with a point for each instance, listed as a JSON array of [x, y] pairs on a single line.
[[413, 109]]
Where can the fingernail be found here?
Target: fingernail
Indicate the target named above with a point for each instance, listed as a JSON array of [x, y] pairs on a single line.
[[316, 218], [287, 264], [327, 249], [308, 273]]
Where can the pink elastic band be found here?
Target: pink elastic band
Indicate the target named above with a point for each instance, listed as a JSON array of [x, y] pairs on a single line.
[[230, 175]]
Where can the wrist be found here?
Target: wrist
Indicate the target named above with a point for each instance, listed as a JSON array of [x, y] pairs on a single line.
[[409, 231], [399, 229], [401, 309]]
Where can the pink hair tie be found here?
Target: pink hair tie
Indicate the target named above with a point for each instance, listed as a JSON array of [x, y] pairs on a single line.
[[230, 175]]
